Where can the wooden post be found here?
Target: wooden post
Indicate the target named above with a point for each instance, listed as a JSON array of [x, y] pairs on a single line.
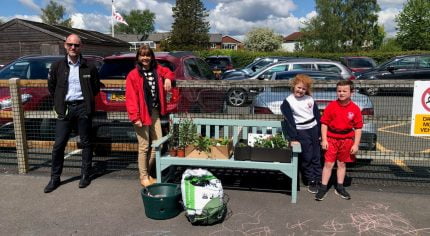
[[19, 126]]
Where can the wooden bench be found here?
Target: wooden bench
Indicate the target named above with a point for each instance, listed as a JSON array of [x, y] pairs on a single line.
[[235, 129]]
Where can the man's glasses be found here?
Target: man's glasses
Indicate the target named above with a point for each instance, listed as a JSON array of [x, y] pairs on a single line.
[[73, 44]]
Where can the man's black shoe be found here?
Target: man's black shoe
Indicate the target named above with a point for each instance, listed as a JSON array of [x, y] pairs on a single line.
[[321, 193], [85, 181], [52, 185]]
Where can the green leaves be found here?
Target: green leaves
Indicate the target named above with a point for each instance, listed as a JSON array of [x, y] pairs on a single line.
[[190, 27], [343, 26], [263, 40], [414, 25], [276, 141], [139, 22], [54, 13]]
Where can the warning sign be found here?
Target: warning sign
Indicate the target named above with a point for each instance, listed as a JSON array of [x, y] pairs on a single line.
[[420, 125]]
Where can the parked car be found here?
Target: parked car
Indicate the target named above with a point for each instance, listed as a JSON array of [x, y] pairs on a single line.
[[219, 64], [358, 63], [185, 66], [407, 67], [253, 67], [239, 96], [269, 102], [33, 67]]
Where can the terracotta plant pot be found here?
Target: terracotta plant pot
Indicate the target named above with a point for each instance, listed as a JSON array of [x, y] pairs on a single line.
[[173, 152], [181, 152]]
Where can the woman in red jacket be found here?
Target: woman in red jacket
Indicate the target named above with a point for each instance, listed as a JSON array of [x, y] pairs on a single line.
[[146, 87]]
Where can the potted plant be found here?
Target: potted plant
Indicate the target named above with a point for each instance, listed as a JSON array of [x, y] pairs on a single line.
[[242, 152], [187, 133], [271, 149], [221, 148], [200, 148], [174, 140]]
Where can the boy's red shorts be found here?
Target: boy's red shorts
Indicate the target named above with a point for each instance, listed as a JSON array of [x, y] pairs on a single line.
[[339, 149]]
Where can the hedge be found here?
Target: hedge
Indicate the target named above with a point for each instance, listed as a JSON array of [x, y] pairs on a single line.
[[242, 58]]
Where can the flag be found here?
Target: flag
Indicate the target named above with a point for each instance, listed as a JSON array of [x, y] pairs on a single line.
[[117, 16]]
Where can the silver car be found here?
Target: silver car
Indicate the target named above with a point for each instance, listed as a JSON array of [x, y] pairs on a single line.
[[269, 102], [240, 96]]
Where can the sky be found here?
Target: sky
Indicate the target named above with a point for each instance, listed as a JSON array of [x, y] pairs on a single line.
[[228, 17]]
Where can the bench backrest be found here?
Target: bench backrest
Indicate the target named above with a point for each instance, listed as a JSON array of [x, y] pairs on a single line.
[[233, 128]]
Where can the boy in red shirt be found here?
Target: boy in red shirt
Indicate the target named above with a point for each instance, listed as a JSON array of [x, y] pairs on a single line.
[[341, 126]]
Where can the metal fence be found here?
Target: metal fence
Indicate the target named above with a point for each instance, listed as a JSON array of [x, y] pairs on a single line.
[[387, 152]]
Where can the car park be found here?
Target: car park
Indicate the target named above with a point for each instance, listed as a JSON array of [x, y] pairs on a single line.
[[407, 67], [358, 63], [219, 64], [269, 102], [239, 96], [253, 67]]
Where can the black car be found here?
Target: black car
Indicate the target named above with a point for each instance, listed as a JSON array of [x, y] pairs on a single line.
[[408, 67], [219, 64], [255, 66]]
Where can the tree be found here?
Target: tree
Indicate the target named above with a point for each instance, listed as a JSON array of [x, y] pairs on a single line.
[[262, 39], [190, 28], [54, 13], [139, 22], [413, 25], [343, 25], [360, 25]]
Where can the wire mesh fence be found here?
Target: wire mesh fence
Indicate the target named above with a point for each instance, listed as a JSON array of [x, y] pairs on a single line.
[[387, 151]]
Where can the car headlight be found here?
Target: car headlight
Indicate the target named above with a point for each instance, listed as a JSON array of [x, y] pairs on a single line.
[[7, 102]]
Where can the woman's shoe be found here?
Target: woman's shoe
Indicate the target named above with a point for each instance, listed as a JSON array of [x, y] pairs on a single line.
[[153, 180], [145, 181]]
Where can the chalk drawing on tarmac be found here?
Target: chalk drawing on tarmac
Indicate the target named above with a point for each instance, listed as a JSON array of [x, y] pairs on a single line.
[[363, 218], [153, 233], [244, 224]]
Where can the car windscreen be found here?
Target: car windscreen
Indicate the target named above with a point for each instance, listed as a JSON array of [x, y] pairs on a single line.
[[361, 62], [116, 69], [32, 68], [220, 62]]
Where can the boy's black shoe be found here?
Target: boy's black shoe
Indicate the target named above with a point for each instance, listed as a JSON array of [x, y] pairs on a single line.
[[320, 195], [342, 193], [313, 187]]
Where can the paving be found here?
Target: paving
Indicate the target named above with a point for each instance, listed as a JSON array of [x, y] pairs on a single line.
[[113, 206]]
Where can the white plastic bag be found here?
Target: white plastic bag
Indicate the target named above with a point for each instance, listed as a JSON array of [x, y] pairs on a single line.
[[199, 186]]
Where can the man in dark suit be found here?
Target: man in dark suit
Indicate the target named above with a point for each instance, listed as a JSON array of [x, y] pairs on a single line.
[[73, 83]]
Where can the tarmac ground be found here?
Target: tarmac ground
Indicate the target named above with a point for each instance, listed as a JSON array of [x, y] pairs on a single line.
[[113, 206]]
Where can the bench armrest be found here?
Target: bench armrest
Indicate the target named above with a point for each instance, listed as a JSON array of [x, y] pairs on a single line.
[[296, 147], [160, 141]]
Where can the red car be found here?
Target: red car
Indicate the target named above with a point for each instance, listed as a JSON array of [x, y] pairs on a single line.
[[33, 97], [185, 66], [358, 63]]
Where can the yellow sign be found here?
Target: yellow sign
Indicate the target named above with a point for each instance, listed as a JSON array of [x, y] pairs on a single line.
[[422, 124]]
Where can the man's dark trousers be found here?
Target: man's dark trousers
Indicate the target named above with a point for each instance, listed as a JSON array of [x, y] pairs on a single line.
[[76, 115]]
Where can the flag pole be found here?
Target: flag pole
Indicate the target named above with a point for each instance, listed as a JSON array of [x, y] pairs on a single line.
[[111, 20]]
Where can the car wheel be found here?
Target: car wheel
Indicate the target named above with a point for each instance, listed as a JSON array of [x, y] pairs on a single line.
[[371, 91], [236, 97]]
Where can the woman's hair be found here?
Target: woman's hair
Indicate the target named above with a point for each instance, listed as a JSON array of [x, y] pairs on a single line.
[[346, 83], [145, 50], [302, 78]]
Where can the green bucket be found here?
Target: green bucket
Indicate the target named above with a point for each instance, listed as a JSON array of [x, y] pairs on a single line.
[[162, 201]]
